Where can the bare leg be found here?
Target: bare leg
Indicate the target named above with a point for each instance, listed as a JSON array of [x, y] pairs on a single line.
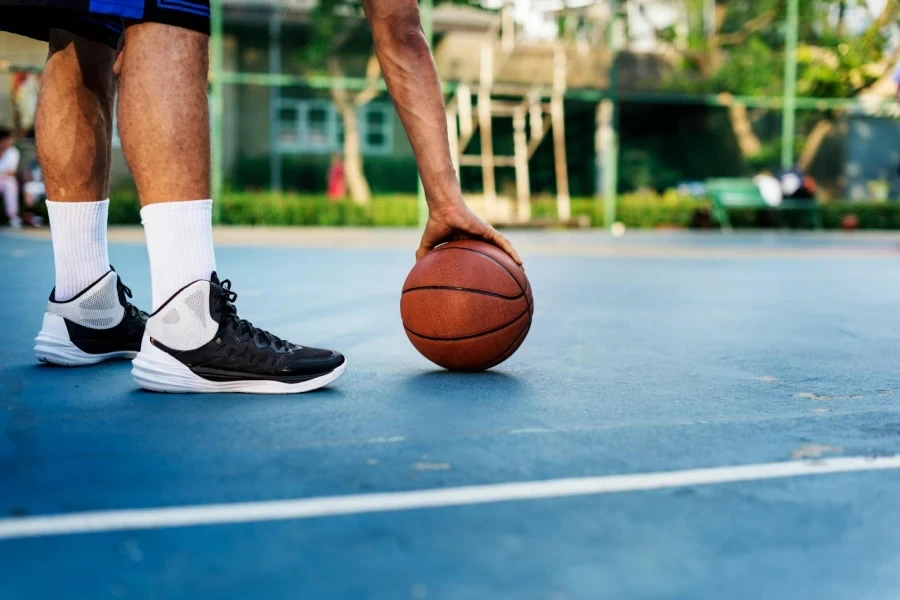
[[74, 118], [163, 112], [9, 189], [164, 125]]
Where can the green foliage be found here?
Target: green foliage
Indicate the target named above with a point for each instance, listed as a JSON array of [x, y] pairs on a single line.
[[832, 61], [753, 69], [637, 211], [309, 174], [871, 215], [274, 209]]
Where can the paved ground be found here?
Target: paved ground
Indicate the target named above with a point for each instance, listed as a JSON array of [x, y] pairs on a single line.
[[649, 354]]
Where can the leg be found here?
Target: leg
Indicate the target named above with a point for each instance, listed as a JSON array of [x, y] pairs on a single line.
[[73, 126], [194, 342], [9, 189], [74, 121], [164, 126], [88, 318], [164, 112], [32, 191]]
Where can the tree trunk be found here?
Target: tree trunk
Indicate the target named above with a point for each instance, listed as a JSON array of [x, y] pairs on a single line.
[[743, 130], [842, 12], [347, 106], [814, 142], [353, 163]]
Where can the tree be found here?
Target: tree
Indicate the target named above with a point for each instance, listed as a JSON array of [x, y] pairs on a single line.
[[334, 23], [745, 56], [337, 33]]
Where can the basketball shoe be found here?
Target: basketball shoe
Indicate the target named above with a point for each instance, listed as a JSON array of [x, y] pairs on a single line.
[[195, 342], [96, 325]]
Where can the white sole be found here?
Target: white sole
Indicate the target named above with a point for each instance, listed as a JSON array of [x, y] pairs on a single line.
[[52, 345], [156, 371]]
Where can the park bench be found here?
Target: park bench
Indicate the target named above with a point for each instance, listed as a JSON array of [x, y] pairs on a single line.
[[726, 194]]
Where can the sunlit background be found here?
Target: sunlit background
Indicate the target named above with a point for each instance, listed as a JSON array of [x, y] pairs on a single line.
[[585, 113]]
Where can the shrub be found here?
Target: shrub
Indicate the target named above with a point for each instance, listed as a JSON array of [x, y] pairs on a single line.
[[637, 211]]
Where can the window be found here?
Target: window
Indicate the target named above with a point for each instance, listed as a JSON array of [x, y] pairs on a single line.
[[376, 128], [307, 126], [313, 126], [288, 128]]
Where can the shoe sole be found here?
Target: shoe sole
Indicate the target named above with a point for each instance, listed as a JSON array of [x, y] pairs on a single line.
[[52, 345], [156, 371]]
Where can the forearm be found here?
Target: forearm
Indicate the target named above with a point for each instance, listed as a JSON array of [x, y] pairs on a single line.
[[413, 83]]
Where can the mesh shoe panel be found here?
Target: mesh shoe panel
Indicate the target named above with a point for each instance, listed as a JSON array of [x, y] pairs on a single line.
[[98, 307]]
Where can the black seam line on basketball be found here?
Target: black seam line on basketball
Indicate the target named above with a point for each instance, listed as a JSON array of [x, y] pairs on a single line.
[[491, 365], [488, 256], [463, 289], [518, 340], [467, 337]]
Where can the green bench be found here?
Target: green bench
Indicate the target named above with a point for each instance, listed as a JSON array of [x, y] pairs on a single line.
[[726, 194]]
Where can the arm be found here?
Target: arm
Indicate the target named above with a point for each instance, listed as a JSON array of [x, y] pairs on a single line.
[[413, 83]]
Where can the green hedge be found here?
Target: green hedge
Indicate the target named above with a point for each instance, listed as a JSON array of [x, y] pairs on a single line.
[[266, 208], [635, 211], [309, 174]]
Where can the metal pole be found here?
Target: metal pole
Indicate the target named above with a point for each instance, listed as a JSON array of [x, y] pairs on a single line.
[[611, 151], [425, 8], [789, 116], [216, 52], [274, 101], [709, 18]]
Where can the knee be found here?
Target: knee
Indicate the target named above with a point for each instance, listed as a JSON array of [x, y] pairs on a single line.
[[165, 47]]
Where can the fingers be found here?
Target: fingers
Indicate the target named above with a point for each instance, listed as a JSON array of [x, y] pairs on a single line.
[[424, 249], [493, 236]]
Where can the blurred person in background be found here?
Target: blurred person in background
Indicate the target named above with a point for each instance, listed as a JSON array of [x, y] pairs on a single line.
[[157, 55], [337, 186], [769, 188], [797, 185], [33, 191], [897, 81], [9, 182]]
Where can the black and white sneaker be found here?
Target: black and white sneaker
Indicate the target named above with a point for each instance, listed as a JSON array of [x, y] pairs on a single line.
[[96, 325], [196, 342]]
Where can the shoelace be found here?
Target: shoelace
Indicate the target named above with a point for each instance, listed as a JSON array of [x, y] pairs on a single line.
[[244, 327], [132, 310]]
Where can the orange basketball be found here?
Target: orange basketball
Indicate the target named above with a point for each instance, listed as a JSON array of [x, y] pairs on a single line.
[[467, 306]]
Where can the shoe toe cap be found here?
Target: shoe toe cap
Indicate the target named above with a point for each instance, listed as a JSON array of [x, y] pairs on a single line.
[[313, 361]]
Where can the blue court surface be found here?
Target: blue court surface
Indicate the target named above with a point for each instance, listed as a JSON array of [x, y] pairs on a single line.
[[771, 362]]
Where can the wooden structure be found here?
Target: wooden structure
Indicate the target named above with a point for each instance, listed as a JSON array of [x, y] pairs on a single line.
[[501, 77]]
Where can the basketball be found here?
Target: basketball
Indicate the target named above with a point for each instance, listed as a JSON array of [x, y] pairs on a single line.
[[467, 306]]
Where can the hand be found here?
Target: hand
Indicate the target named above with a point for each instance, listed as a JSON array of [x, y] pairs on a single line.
[[458, 222]]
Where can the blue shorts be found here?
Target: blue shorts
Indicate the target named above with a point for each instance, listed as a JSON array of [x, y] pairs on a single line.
[[102, 21]]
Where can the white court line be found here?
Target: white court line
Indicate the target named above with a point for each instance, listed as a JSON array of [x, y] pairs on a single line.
[[330, 506]]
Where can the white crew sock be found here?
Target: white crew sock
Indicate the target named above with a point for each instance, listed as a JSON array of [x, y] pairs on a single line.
[[180, 244], [78, 230]]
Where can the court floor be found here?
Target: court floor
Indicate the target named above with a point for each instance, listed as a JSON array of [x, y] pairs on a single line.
[[691, 416]]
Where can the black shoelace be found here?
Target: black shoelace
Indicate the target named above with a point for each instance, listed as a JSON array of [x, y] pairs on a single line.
[[132, 310], [245, 328]]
